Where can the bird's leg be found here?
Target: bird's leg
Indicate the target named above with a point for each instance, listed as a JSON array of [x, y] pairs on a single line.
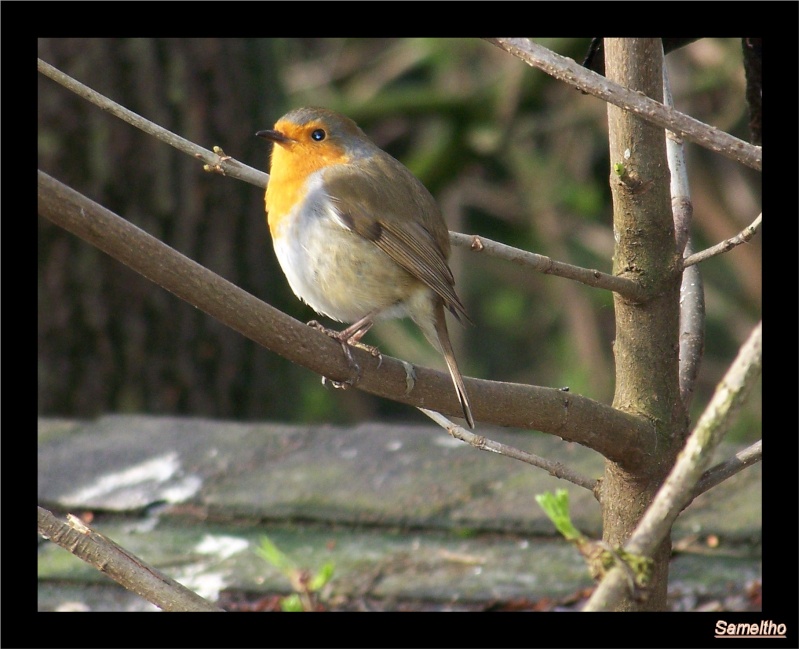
[[351, 337], [343, 340]]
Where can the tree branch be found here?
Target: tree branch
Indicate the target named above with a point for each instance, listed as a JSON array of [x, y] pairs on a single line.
[[627, 288], [681, 483], [681, 204], [217, 162], [622, 436], [123, 567], [555, 469], [742, 237], [693, 130], [692, 330], [721, 472], [692, 290]]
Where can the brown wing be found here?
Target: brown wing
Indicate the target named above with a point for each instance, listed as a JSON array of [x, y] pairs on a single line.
[[368, 207]]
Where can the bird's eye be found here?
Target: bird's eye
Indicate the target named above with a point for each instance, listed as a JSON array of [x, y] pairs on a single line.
[[318, 135]]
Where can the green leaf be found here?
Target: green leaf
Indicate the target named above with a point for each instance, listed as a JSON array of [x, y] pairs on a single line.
[[322, 577], [270, 552], [556, 507], [291, 604]]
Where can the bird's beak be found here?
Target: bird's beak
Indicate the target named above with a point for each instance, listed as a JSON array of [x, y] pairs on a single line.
[[275, 136]]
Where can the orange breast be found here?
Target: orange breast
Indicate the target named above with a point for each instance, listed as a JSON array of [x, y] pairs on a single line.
[[292, 165]]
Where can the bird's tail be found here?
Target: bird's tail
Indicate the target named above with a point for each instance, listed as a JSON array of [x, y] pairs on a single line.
[[442, 335]]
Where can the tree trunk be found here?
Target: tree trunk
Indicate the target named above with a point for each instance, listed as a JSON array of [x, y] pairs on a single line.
[[647, 334]]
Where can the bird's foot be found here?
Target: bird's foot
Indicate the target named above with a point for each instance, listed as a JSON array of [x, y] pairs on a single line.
[[346, 343], [374, 351], [320, 327]]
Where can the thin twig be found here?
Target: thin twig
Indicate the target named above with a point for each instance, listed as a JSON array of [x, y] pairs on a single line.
[[719, 473], [555, 469], [119, 564], [595, 84], [681, 482], [624, 287], [217, 162], [743, 236]]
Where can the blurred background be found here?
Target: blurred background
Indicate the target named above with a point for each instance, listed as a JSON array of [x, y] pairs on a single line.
[[509, 153]]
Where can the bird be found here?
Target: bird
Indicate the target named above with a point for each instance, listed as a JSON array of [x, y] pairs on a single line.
[[358, 236]]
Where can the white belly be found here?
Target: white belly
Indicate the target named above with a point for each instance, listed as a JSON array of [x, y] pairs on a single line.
[[337, 272]]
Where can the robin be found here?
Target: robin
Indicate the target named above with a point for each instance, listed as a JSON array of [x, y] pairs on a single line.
[[358, 236]]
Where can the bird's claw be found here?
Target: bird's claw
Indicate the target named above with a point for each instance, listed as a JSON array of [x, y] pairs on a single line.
[[345, 346], [374, 351], [315, 324], [353, 380], [339, 385]]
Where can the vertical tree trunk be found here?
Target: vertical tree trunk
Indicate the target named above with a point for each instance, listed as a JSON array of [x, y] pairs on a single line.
[[647, 334]]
